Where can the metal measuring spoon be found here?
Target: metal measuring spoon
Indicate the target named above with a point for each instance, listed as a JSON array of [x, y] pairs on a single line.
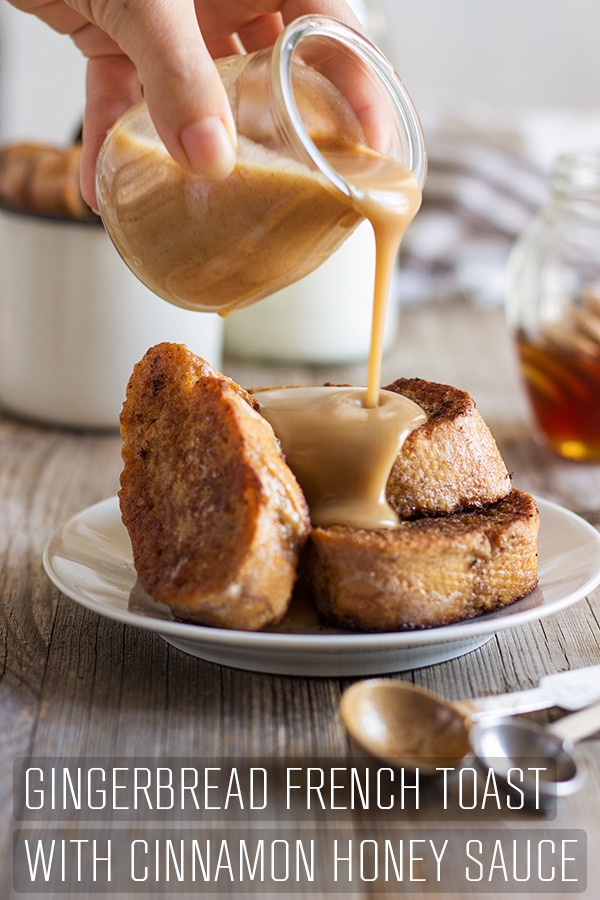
[[540, 754], [410, 726]]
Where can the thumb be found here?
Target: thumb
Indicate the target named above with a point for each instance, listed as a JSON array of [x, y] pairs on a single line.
[[184, 92]]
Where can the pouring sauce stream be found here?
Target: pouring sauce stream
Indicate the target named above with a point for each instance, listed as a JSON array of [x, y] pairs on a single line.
[[341, 442], [388, 195]]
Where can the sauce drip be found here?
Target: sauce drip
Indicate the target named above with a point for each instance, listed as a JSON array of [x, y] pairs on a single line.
[[388, 195], [341, 443], [340, 450]]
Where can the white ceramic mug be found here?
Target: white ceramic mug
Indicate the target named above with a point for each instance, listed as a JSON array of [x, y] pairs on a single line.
[[74, 321]]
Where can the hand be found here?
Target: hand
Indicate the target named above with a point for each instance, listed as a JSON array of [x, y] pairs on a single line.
[[166, 48]]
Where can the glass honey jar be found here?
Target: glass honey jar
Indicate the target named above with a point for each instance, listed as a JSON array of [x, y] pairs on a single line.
[[553, 308]]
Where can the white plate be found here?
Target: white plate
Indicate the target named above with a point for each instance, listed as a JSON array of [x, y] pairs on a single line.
[[89, 559]]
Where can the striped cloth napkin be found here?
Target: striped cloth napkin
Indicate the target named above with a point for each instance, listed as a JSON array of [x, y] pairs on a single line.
[[487, 178]]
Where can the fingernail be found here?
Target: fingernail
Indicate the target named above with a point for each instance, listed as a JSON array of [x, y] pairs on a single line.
[[210, 147]]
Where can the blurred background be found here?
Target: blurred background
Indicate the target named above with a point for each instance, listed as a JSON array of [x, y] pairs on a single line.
[[502, 89], [514, 54], [511, 56]]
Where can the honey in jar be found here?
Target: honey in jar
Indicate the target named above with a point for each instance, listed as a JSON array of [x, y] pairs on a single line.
[[554, 310]]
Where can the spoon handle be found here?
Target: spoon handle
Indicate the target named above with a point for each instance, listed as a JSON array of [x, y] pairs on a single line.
[[506, 704], [577, 726], [572, 689]]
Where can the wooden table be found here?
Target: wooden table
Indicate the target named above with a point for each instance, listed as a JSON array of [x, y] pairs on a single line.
[[80, 686]]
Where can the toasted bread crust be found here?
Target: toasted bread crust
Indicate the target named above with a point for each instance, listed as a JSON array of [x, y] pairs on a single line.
[[215, 516], [428, 571], [451, 462]]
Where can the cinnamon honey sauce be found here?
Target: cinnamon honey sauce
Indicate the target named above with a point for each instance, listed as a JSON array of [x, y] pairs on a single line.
[[387, 194], [341, 450], [341, 442]]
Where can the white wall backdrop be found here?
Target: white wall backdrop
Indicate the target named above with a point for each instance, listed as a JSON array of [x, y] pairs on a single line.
[[42, 80], [508, 54]]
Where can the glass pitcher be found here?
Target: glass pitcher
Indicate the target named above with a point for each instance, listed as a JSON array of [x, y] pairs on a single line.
[[321, 91]]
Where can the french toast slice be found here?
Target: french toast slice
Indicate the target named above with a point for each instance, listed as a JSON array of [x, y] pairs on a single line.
[[426, 572], [449, 463], [215, 516]]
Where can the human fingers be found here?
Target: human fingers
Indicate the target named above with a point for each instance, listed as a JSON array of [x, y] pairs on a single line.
[[355, 80], [337, 9], [56, 13], [185, 95], [259, 22], [112, 87]]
